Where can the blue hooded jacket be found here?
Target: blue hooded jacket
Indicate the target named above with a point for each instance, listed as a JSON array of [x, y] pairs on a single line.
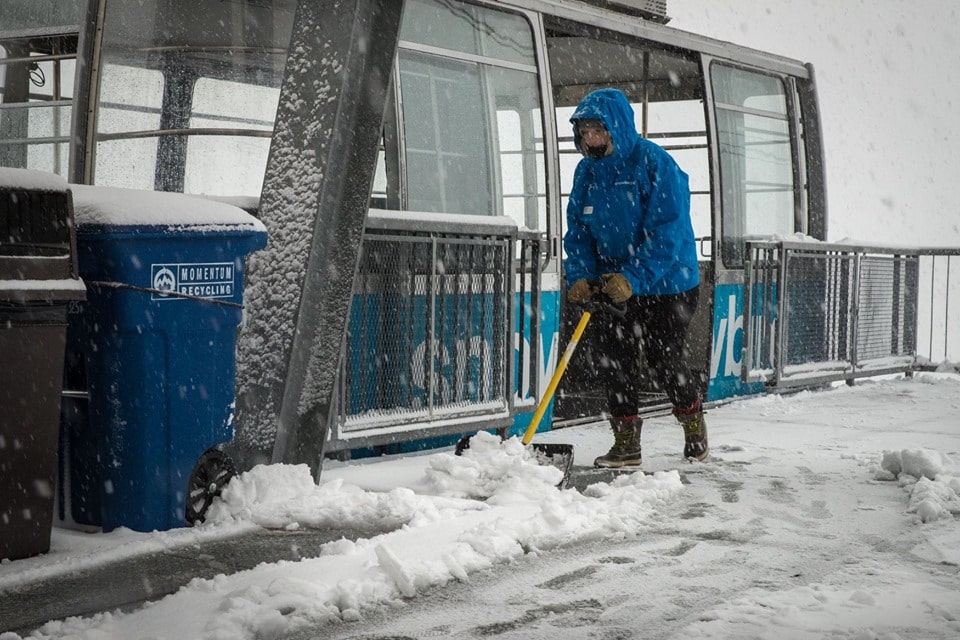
[[629, 212]]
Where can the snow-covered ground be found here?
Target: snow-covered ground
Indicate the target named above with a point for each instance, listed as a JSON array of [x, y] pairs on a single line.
[[826, 514]]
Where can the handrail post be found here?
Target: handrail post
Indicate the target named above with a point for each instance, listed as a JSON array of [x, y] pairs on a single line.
[[781, 323], [855, 310]]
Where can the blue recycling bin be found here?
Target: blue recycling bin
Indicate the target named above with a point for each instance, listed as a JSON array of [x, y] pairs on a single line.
[[157, 336]]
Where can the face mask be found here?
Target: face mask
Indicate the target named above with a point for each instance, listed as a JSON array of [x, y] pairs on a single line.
[[597, 152]]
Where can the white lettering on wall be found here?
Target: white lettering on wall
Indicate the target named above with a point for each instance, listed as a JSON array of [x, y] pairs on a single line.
[[724, 342]]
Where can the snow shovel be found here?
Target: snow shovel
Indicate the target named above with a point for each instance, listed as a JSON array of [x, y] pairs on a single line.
[[558, 455]]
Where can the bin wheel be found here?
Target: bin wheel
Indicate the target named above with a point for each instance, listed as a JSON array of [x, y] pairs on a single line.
[[210, 475]]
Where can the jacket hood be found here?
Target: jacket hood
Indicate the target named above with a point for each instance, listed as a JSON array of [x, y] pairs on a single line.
[[611, 107]]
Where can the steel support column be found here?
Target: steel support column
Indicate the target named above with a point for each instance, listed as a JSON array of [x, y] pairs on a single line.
[[314, 201]]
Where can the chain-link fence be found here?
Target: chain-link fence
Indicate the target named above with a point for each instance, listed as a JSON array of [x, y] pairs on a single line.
[[816, 312], [430, 347]]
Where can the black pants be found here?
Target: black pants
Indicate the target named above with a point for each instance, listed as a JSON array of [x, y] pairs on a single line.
[[651, 334]]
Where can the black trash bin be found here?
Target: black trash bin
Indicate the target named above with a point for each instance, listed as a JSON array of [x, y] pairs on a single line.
[[38, 280]]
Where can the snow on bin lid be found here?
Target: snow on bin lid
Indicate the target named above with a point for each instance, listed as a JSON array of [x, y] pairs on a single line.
[[30, 179], [58, 289], [129, 207]]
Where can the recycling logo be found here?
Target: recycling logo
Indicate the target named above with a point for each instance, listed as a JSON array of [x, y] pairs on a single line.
[[164, 280]]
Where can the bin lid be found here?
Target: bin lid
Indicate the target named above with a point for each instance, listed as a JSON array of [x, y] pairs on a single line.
[[29, 179], [36, 238], [117, 207]]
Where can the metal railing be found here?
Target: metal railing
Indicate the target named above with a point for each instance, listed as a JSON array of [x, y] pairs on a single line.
[[431, 345], [818, 312]]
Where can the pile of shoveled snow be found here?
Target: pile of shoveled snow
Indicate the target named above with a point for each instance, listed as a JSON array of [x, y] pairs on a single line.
[[929, 478], [439, 533], [491, 473]]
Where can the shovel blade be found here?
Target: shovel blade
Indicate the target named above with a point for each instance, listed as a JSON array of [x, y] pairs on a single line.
[[463, 444], [557, 455]]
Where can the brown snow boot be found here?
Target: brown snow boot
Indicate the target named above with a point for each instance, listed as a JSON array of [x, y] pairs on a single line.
[[625, 451], [695, 445]]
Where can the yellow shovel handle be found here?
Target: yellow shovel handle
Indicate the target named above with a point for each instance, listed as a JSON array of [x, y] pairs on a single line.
[[555, 380]]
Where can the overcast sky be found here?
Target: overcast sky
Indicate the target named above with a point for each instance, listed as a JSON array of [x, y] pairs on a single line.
[[888, 73]]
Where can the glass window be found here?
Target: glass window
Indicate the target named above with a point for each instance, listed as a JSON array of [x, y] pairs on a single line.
[[241, 108], [379, 188], [36, 89], [41, 15], [206, 65], [679, 127], [473, 127], [457, 26], [130, 99], [38, 49], [447, 136], [756, 158]]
